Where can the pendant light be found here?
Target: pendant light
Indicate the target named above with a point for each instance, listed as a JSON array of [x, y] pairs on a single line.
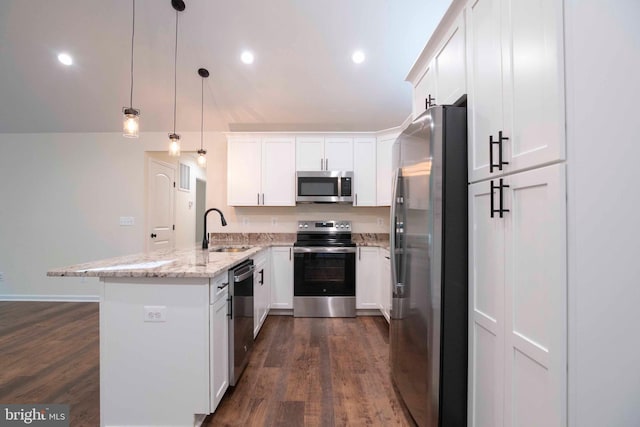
[[130, 123], [174, 138], [202, 159]]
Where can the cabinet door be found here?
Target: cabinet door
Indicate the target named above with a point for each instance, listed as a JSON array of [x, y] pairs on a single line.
[[258, 300], [384, 176], [367, 279], [385, 283], [450, 64], [536, 298], [278, 172], [338, 154], [484, 79], [425, 89], [244, 174], [282, 277], [486, 310], [364, 171], [309, 153], [219, 351], [534, 84]]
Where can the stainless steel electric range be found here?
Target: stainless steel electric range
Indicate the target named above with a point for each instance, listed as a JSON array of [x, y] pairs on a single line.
[[324, 265]]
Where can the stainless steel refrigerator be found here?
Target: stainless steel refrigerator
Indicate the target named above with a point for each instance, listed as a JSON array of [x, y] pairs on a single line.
[[428, 330]]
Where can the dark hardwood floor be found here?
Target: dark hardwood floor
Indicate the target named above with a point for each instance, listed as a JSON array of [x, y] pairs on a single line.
[[303, 372]]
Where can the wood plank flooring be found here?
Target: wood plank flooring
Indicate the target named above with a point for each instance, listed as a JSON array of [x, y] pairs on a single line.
[[303, 372]]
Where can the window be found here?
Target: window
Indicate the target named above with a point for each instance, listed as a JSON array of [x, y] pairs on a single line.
[[185, 177]]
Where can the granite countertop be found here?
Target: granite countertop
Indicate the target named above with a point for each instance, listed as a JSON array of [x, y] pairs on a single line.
[[186, 263], [189, 263]]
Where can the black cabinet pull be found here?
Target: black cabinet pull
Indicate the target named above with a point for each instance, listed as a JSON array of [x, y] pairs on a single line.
[[154, 235], [500, 187], [429, 102], [493, 165], [230, 310], [261, 281]]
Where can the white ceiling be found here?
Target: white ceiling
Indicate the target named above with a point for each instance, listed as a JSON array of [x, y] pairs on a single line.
[[302, 79]]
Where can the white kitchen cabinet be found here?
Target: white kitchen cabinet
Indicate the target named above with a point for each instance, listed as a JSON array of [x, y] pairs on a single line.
[[282, 277], [310, 153], [261, 291], [367, 278], [384, 170], [364, 171], [385, 283], [450, 65], [515, 78], [424, 91], [320, 153], [219, 341], [518, 300], [261, 171]]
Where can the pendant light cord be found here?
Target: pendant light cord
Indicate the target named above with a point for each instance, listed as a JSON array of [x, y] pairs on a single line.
[[175, 77], [202, 114], [133, 32]]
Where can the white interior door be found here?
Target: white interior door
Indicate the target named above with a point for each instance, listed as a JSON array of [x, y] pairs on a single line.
[[160, 205]]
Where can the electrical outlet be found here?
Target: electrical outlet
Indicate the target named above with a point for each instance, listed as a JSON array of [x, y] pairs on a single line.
[[380, 222], [274, 222], [155, 313], [245, 221]]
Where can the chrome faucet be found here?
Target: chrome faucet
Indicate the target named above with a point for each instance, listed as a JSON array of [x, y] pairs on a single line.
[[205, 240]]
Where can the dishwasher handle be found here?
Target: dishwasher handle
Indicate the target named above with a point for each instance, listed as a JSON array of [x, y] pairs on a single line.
[[240, 275]]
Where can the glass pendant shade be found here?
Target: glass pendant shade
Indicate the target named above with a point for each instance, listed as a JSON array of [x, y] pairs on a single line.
[[130, 123], [202, 159], [174, 145]]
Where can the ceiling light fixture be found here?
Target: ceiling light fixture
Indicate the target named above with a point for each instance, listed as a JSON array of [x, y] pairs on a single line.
[[130, 123], [247, 57], [174, 138], [202, 159], [65, 58], [358, 57]]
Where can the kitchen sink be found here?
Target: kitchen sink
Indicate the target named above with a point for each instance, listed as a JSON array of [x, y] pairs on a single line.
[[230, 249]]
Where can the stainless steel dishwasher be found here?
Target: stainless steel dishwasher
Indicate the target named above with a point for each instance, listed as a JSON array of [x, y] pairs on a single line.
[[240, 318]]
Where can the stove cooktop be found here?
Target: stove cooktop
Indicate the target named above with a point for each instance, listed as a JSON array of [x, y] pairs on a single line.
[[324, 233]]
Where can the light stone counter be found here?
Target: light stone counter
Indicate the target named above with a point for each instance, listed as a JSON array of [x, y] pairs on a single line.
[[184, 263]]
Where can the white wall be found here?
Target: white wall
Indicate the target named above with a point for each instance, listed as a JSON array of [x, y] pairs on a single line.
[[603, 89], [61, 197]]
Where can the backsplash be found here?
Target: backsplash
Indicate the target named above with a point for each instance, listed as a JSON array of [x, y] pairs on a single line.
[[362, 239]]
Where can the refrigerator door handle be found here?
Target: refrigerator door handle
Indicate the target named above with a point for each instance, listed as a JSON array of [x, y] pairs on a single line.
[[393, 221]]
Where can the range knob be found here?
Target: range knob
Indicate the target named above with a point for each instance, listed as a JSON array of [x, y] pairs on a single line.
[[306, 226], [299, 225]]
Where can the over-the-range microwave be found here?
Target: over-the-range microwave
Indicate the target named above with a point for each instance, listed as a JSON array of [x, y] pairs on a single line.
[[324, 187]]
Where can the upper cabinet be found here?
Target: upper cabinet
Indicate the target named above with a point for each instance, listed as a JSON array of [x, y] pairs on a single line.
[[319, 153], [261, 171], [443, 79], [364, 171], [384, 168], [516, 91]]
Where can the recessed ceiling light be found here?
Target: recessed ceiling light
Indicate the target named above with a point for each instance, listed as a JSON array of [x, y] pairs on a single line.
[[247, 57], [358, 57], [65, 58]]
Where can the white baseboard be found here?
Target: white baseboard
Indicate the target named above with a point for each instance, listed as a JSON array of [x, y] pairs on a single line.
[[51, 298]]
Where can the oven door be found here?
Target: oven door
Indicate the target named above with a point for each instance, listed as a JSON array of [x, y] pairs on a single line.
[[324, 271]]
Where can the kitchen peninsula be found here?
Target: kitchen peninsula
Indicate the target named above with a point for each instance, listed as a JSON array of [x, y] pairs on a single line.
[[163, 334]]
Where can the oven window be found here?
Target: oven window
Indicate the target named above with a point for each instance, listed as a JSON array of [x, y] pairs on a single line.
[[319, 274], [317, 186]]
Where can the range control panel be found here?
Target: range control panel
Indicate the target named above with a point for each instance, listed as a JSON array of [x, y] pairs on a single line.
[[324, 226]]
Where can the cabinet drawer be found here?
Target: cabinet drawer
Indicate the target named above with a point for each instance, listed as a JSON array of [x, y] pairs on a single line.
[[218, 288]]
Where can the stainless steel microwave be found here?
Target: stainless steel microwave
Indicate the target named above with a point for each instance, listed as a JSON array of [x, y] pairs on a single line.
[[324, 187]]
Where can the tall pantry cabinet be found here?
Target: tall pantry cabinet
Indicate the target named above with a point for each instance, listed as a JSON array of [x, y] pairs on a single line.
[[513, 59], [517, 214]]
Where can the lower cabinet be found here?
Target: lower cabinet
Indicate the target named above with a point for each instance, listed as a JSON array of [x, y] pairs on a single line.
[[385, 283], [218, 341], [367, 278], [518, 300], [282, 277], [261, 291]]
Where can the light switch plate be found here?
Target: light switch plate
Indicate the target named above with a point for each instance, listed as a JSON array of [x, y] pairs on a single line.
[[127, 221]]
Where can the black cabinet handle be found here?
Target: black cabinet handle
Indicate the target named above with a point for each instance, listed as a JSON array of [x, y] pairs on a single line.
[[493, 165], [230, 311], [154, 235], [500, 187], [429, 102], [261, 281]]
